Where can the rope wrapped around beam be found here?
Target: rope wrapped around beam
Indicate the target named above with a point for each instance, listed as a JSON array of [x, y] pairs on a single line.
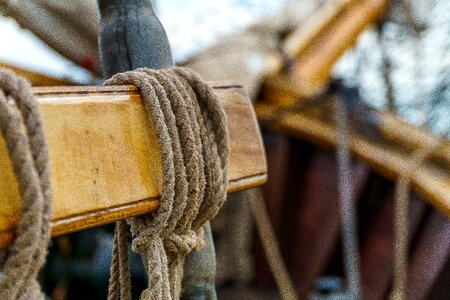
[[191, 129], [22, 129]]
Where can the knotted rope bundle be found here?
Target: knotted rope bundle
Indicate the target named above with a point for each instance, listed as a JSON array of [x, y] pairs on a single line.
[[29, 155], [192, 133]]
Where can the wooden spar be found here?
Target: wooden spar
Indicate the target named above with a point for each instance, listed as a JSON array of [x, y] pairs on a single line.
[[331, 45], [392, 129], [387, 153], [105, 160], [36, 79], [409, 137], [317, 45], [303, 37]]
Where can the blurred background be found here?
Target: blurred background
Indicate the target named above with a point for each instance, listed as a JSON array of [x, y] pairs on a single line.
[[419, 60]]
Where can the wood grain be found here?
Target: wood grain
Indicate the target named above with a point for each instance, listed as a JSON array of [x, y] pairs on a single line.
[[105, 159]]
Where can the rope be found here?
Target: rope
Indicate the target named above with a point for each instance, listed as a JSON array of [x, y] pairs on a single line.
[[401, 218], [348, 218], [270, 245], [29, 156], [119, 265], [192, 133]]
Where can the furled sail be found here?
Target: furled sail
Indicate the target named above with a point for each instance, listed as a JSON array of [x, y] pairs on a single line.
[[69, 27]]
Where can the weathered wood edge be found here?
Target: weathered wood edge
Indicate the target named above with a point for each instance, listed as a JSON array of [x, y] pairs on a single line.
[[100, 89], [80, 222]]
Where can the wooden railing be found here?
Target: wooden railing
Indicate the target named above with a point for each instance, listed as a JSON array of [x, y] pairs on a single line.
[[105, 159]]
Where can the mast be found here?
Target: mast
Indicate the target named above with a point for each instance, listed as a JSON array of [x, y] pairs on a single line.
[[131, 36]]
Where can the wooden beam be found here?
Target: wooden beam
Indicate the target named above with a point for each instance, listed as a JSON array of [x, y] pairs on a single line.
[[409, 137], [315, 65], [304, 36], [386, 153], [105, 159], [318, 44]]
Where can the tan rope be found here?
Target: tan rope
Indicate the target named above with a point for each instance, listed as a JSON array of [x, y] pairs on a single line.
[[347, 209], [29, 156], [120, 281], [192, 133], [270, 244], [401, 218]]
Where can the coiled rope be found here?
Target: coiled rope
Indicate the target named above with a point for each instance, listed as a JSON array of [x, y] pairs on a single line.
[[29, 156], [191, 129]]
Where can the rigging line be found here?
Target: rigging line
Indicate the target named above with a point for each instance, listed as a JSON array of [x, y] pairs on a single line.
[[402, 188], [386, 69], [348, 218], [270, 244]]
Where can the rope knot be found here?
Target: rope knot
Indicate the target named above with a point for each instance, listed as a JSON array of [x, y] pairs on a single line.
[[191, 129], [186, 242], [142, 241]]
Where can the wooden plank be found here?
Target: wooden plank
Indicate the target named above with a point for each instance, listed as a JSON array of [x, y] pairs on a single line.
[[388, 157], [409, 137], [105, 159]]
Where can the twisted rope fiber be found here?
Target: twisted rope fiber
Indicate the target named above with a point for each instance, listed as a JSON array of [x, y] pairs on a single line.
[[192, 133], [29, 156], [119, 265]]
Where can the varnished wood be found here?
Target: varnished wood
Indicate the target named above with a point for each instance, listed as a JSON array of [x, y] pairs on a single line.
[[105, 159], [387, 154]]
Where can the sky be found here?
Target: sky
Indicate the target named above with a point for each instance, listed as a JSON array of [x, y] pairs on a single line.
[[22, 48], [202, 23], [418, 66]]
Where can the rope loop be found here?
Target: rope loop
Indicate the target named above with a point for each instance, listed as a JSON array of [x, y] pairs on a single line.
[[22, 129], [185, 243], [140, 242], [191, 129]]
